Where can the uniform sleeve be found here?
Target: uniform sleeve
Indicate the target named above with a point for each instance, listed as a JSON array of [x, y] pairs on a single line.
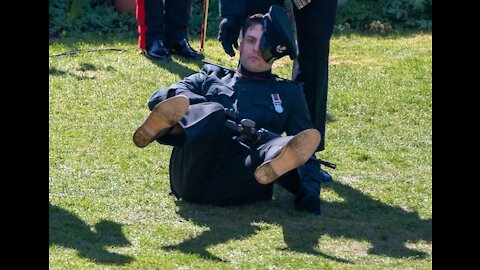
[[299, 118], [190, 86], [232, 7]]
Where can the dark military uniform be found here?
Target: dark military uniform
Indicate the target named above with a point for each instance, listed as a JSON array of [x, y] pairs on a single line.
[[207, 165], [159, 21], [314, 28]]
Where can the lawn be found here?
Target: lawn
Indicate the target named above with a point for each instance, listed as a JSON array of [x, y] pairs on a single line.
[[109, 202]]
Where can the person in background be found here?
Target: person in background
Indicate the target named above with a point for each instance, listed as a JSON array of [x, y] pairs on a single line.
[[163, 29]]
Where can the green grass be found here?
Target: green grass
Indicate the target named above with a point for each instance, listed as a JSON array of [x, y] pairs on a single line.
[[109, 203]]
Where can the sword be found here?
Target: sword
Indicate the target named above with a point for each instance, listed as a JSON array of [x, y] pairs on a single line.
[[203, 34]]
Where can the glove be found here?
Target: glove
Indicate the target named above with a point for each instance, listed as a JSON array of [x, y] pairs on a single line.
[[228, 33]]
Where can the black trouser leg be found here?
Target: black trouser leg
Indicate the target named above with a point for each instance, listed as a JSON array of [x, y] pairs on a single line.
[[177, 17], [314, 29], [150, 18]]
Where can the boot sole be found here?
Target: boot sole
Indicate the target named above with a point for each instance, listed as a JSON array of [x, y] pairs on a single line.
[[295, 153], [163, 116]]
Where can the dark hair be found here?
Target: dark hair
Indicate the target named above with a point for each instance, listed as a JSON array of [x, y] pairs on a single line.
[[251, 22]]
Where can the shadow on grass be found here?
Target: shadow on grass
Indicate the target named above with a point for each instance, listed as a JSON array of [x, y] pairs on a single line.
[[67, 230], [57, 72], [330, 118], [83, 69], [386, 228], [178, 65]]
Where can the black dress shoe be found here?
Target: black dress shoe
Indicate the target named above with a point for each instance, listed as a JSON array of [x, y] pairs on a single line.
[[157, 51], [184, 49]]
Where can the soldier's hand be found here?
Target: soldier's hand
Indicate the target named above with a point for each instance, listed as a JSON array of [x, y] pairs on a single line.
[[228, 33]]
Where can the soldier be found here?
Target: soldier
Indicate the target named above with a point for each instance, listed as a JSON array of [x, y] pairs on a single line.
[[207, 166], [162, 29], [314, 21]]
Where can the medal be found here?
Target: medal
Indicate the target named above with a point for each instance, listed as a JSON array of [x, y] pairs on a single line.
[[277, 103]]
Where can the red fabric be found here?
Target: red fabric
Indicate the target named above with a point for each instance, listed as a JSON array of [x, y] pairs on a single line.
[[142, 26]]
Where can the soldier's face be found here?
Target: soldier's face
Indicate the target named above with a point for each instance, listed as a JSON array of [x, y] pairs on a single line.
[[250, 55]]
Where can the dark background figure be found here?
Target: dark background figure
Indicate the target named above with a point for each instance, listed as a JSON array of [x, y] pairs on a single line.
[[163, 28], [314, 28]]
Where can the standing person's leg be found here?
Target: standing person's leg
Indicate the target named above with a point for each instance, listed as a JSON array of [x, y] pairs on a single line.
[[177, 19], [314, 29], [151, 28], [177, 16]]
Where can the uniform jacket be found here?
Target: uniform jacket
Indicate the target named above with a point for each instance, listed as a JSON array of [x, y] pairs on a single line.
[[250, 97]]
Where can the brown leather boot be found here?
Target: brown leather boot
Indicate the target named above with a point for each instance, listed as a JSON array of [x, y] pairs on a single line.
[[163, 116], [294, 154]]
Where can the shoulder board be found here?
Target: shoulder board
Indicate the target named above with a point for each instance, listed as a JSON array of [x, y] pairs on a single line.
[[227, 70]]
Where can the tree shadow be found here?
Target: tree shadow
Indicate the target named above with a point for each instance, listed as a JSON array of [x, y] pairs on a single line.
[[57, 72], [397, 33], [87, 71], [93, 39], [67, 230], [178, 65], [386, 228]]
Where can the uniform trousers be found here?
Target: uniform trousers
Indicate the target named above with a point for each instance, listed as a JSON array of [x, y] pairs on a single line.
[[208, 167]]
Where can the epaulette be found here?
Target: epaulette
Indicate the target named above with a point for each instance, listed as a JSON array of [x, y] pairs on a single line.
[[226, 69]]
